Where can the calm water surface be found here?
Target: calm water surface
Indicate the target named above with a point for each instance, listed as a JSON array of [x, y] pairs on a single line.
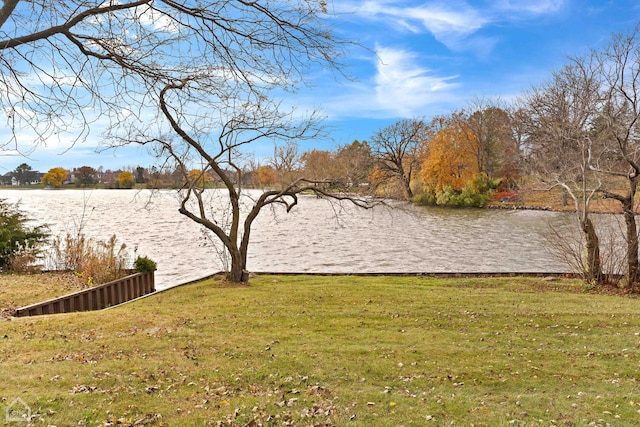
[[315, 237]]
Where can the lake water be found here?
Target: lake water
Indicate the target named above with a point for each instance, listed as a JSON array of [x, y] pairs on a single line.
[[316, 236]]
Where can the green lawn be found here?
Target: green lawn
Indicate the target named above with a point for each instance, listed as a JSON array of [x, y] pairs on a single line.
[[334, 351]]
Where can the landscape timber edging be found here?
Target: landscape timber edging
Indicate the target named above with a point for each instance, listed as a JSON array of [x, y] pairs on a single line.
[[96, 298]]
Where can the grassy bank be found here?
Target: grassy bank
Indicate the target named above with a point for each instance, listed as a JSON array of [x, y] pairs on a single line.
[[17, 290], [343, 351]]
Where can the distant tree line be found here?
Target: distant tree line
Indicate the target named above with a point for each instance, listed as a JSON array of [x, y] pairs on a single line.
[[84, 176]]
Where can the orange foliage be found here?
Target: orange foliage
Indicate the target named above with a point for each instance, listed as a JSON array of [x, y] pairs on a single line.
[[55, 177], [196, 176], [377, 176], [450, 158], [266, 175]]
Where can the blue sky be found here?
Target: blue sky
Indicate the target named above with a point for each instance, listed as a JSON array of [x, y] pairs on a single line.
[[424, 58]]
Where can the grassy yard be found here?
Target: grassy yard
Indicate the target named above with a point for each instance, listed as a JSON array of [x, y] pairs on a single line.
[[334, 351]]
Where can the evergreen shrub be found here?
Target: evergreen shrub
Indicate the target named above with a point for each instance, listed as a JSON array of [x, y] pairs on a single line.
[[20, 243]]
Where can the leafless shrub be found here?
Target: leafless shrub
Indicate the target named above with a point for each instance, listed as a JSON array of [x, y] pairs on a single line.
[[568, 245], [25, 259]]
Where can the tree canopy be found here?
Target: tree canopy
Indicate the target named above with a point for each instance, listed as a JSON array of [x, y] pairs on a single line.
[[66, 65], [450, 157], [55, 177]]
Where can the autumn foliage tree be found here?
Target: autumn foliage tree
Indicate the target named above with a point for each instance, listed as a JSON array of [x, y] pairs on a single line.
[[356, 162], [496, 151], [124, 180], [199, 177], [321, 165], [451, 171], [450, 157], [55, 177], [349, 166], [266, 175]]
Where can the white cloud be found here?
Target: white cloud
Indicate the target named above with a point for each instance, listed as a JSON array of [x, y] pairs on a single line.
[[449, 22], [157, 20], [445, 20], [405, 86], [531, 7], [399, 87], [454, 23]]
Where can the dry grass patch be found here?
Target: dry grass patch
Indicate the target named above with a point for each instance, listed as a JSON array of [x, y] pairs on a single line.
[[335, 351], [534, 196], [18, 290]]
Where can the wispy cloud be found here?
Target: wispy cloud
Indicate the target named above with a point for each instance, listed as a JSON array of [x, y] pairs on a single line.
[[454, 23], [444, 20], [448, 22], [400, 86], [403, 85], [531, 7]]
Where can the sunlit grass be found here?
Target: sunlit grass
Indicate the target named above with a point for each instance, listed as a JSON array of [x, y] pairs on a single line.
[[343, 351], [18, 290]]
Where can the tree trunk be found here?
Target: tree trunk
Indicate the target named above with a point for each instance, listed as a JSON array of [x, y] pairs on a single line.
[[407, 189], [632, 241], [593, 265], [238, 272]]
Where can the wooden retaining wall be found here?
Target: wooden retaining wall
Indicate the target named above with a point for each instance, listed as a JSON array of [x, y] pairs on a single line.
[[96, 298]]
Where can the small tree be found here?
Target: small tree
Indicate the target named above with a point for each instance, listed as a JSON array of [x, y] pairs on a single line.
[[55, 177]]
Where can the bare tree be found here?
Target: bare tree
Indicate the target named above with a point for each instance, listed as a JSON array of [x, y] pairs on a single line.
[[286, 161], [560, 119], [396, 150], [66, 65], [497, 151], [619, 122], [211, 70], [216, 150]]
